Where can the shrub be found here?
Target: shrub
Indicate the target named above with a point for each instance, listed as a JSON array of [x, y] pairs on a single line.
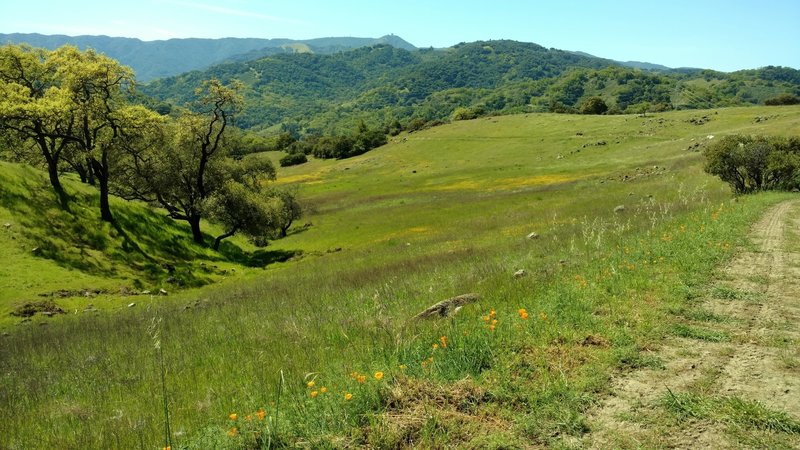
[[753, 163], [783, 99], [594, 105], [293, 159]]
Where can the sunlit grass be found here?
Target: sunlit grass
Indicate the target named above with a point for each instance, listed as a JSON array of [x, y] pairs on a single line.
[[599, 286]]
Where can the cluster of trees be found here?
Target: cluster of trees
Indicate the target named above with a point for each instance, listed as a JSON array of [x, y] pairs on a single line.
[[330, 147], [71, 110], [754, 163]]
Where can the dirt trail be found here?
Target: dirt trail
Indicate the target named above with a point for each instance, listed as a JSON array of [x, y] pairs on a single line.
[[754, 307]]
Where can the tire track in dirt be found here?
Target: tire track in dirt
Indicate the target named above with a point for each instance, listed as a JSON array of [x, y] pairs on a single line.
[[757, 303]]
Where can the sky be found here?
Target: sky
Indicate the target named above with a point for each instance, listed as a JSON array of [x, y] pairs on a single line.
[[724, 35]]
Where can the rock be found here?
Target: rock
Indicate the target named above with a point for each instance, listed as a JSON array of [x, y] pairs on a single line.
[[449, 307], [619, 209], [145, 292], [36, 250], [47, 313], [520, 273], [7, 225], [533, 235], [131, 305], [162, 292]]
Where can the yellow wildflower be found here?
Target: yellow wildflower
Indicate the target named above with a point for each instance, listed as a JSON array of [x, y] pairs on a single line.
[[233, 416], [378, 375], [443, 341], [314, 394], [261, 414], [403, 367], [310, 384], [543, 315], [323, 390], [361, 379], [232, 432], [523, 314], [435, 346], [348, 397]]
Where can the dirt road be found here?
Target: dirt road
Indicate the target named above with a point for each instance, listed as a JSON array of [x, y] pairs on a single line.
[[733, 380]]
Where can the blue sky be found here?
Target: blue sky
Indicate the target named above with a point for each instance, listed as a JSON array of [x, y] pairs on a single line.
[[718, 34]]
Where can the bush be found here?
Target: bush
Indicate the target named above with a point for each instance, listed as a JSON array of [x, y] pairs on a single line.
[[594, 105], [293, 159], [753, 163], [783, 99]]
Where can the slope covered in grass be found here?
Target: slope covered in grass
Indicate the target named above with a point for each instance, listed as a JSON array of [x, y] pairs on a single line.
[[431, 215], [74, 259]]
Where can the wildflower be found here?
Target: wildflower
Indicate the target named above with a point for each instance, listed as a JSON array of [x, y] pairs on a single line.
[[485, 318], [361, 379], [348, 397], [443, 341], [168, 448], [248, 417], [323, 390], [232, 432], [314, 394], [543, 315], [491, 327], [233, 416], [435, 346], [310, 384], [378, 375], [523, 314], [492, 314], [403, 367], [494, 322], [261, 414]]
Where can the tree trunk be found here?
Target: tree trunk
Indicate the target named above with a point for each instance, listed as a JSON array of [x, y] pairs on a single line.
[[55, 181], [89, 172], [194, 222], [223, 236], [100, 171]]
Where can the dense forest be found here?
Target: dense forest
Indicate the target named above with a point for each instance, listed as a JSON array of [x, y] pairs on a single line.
[[308, 94]]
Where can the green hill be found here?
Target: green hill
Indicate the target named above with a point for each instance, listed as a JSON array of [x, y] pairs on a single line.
[[383, 85], [608, 222]]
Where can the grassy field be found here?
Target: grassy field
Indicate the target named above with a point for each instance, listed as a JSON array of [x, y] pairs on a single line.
[[629, 228]]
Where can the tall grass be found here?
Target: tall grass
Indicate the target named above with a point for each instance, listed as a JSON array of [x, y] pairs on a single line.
[[236, 359]]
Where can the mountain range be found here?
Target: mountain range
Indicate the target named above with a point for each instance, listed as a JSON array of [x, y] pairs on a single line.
[[158, 59]]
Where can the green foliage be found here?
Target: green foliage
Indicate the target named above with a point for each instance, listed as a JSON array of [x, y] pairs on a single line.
[[594, 105], [293, 159], [783, 99], [753, 163]]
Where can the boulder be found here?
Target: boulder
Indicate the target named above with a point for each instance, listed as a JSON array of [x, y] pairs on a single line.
[[448, 307]]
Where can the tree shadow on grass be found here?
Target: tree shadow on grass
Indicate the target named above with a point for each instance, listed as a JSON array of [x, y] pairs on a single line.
[[141, 242], [258, 258]]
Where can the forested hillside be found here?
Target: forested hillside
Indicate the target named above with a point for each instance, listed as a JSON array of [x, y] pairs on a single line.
[[383, 85]]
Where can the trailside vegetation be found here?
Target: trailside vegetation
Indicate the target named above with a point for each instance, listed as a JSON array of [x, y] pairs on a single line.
[[754, 163]]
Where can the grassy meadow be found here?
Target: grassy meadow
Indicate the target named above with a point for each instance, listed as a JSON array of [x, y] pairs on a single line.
[[629, 230]]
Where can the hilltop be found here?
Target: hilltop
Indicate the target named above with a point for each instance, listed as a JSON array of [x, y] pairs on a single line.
[[164, 58], [384, 86]]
